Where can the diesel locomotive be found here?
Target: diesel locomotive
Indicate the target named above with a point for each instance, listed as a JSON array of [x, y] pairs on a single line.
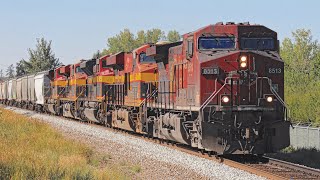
[[220, 89]]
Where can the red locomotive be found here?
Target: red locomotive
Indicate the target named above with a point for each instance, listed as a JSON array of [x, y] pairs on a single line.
[[220, 89]]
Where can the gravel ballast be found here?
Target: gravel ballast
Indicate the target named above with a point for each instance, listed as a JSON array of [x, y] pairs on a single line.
[[156, 161]]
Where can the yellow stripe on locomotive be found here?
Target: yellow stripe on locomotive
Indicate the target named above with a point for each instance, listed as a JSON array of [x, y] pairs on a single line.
[[78, 82], [60, 83], [106, 79]]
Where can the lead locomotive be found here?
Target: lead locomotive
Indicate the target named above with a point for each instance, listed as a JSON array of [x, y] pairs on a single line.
[[220, 89]]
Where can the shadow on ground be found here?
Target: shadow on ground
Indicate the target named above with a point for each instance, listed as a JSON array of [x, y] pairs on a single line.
[[302, 156]]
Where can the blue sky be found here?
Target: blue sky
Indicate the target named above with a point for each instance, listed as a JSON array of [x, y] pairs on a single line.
[[78, 28]]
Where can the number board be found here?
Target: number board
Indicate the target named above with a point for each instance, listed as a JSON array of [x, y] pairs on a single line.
[[209, 71], [274, 70]]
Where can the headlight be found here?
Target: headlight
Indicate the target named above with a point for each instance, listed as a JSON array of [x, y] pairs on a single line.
[[243, 64], [243, 58], [269, 99], [225, 99]]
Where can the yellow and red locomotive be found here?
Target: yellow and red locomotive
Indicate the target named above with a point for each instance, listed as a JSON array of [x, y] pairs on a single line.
[[221, 89]]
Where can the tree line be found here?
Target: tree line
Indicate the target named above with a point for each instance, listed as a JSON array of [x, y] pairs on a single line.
[[300, 52], [127, 41], [42, 57]]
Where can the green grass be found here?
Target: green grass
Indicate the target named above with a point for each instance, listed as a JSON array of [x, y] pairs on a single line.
[[30, 149], [136, 168]]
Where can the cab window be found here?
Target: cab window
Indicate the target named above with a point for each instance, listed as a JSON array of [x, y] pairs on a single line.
[[209, 43], [144, 58], [78, 70], [258, 43]]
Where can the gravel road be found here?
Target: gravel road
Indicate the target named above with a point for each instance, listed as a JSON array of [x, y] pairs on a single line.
[[156, 161]]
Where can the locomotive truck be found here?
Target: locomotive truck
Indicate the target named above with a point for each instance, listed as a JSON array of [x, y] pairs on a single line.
[[220, 89]]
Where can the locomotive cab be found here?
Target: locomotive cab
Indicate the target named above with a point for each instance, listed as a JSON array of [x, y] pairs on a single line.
[[59, 89], [74, 79]]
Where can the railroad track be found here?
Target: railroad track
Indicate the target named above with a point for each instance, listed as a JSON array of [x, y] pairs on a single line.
[[262, 166], [288, 170], [273, 168]]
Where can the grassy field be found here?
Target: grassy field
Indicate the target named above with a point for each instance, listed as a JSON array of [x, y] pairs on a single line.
[[33, 150]]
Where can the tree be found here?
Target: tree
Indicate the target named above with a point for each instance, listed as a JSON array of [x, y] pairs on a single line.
[[20, 68], [173, 36], [301, 55], [154, 35], [96, 55], [124, 41], [1, 73], [127, 41], [141, 38], [41, 58], [10, 71]]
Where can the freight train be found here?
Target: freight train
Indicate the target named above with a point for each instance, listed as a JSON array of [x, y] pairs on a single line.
[[220, 89]]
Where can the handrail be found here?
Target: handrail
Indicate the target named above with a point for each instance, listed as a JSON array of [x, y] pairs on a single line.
[[107, 92], [277, 96], [61, 90], [143, 104], [80, 93], [144, 98], [215, 89], [149, 95], [47, 92], [213, 95]]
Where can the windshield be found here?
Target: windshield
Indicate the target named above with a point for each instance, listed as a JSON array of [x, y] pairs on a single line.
[[78, 70], [145, 58], [258, 43], [206, 43]]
